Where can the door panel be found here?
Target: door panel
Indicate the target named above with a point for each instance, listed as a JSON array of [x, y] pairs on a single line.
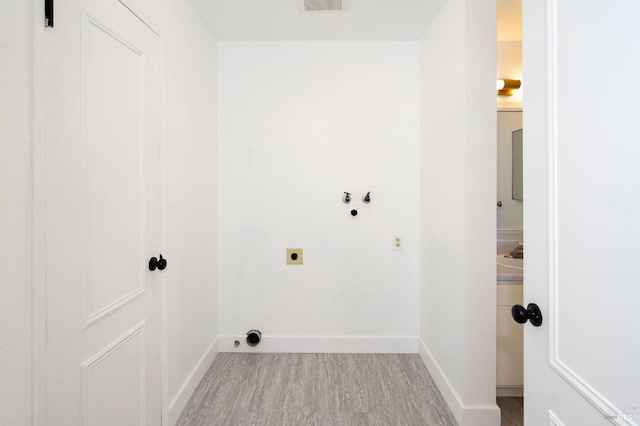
[[116, 378], [581, 225], [114, 151], [102, 217]]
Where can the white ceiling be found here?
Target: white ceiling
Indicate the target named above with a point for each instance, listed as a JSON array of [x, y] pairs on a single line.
[[280, 20]]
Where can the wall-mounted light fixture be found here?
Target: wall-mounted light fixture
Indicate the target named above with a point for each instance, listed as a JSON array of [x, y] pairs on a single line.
[[506, 87]]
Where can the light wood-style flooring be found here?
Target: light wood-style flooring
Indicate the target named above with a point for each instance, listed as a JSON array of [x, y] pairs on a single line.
[[317, 389]]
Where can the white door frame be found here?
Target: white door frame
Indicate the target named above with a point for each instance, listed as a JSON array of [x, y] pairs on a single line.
[[37, 219]]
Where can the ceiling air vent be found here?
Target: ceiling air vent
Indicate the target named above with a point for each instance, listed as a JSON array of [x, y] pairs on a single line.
[[306, 6]]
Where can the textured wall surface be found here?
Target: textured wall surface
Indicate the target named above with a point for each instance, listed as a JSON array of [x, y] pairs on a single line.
[[301, 122], [443, 148], [458, 190], [191, 190], [14, 212]]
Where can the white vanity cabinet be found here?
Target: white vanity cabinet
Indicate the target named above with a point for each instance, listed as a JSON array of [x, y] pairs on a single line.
[[509, 353]]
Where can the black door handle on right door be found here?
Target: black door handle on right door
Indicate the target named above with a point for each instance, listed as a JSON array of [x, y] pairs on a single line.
[[157, 263], [531, 313]]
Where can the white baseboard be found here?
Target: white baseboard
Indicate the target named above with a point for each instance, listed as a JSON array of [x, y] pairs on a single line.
[[179, 401], [322, 344], [465, 415], [449, 394], [481, 415], [510, 391]]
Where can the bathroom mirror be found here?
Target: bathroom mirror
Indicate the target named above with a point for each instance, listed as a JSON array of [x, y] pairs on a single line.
[[516, 165]]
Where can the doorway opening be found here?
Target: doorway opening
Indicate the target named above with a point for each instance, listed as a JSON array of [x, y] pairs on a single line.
[[510, 238]]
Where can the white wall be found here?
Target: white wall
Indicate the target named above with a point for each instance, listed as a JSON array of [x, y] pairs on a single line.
[[443, 147], [458, 190], [299, 123], [14, 211], [191, 99]]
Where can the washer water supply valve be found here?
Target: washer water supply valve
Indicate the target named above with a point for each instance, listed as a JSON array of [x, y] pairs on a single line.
[[366, 199]]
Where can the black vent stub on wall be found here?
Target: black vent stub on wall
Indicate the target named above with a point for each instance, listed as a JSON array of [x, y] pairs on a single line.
[[254, 337]]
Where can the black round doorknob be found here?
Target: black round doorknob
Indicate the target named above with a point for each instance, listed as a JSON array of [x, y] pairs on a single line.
[[531, 313], [294, 256], [162, 263], [354, 212], [157, 263]]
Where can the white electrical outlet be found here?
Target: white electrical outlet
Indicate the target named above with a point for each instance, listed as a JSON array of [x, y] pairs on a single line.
[[398, 243]]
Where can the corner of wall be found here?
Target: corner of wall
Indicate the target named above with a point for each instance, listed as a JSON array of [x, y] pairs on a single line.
[[189, 386], [465, 415], [458, 331], [480, 209], [446, 388], [442, 210], [191, 187]]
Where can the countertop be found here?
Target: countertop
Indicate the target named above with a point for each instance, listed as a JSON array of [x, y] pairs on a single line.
[[508, 274]]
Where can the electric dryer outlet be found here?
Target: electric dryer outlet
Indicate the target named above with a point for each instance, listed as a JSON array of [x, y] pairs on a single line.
[[294, 256]]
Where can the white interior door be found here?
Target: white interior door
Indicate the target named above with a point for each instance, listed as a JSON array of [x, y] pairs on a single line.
[[582, 211], [102, 217]]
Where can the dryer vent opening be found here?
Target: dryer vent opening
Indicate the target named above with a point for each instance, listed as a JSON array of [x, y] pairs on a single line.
[[254, 337]]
